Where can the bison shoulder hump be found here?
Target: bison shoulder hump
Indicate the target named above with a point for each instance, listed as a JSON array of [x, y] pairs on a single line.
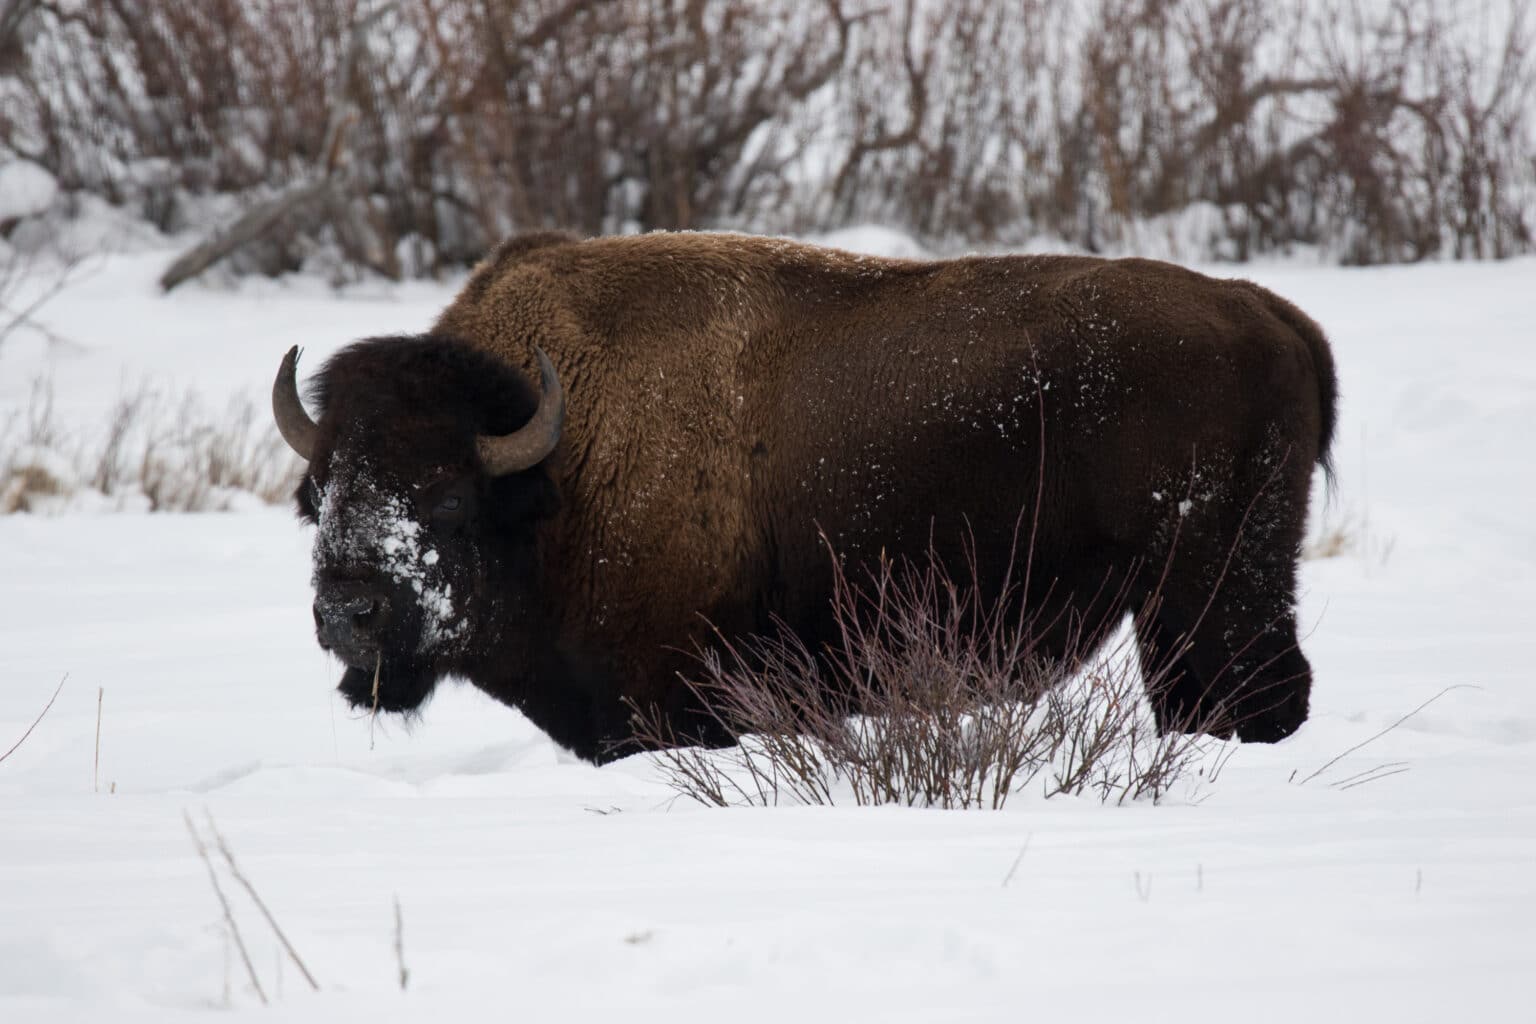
[[511, 252]]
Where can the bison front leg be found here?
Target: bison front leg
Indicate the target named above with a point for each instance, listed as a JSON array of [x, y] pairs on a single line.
[[1218, 640], [1224, 674]]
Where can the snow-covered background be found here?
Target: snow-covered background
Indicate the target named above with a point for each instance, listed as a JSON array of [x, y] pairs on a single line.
[[535, 887]]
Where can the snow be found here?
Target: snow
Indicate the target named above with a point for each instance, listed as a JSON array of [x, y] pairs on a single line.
[[874, 239], [537, 887], [26, 190]]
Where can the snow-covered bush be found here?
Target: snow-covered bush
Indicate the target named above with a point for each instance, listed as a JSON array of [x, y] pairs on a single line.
[[1367, 131], [26, 190]]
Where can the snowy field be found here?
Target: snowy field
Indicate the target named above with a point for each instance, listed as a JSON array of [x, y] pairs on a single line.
[[534, 887]]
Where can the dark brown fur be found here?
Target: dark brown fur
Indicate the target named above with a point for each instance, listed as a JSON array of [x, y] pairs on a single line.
[[731, 398]]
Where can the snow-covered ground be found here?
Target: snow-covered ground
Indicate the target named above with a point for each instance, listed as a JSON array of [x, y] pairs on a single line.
[[534, 887]]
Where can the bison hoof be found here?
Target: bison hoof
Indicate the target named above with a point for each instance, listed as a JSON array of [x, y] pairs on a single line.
[[1270, 727]]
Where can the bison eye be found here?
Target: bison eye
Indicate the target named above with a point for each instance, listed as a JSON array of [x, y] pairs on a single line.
[[453, 507]]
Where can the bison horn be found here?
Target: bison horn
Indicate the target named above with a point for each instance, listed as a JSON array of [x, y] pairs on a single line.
[[531, 443], [292, 421]]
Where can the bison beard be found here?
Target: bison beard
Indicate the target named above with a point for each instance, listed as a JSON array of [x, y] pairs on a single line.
[[403, 686], [739, 405], [404, 679]]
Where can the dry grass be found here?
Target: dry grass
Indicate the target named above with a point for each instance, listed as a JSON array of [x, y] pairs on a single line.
[[402, 972], [1350, 535], [232, 926], [155, 452], [232, 867]]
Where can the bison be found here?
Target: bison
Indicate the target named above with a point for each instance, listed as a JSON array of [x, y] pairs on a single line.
[[714, 411]]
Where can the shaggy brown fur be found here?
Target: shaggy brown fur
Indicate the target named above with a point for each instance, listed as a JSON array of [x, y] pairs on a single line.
[[730, 398]]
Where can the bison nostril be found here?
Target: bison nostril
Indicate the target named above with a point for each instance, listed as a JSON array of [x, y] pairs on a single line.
[[356, 606], [363, 612], [349, 619]]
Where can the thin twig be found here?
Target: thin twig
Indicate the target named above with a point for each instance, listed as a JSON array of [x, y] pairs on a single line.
[[23, 317], [1017, 860], [373, 716], [405, 975], [229, 917], [1379, 735], [96, 763], [234, 871], [1369, 771], [39, 718], [1374, 778]]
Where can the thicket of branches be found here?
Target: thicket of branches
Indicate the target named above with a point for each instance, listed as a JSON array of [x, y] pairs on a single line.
[[934, 692], [1378, 130]]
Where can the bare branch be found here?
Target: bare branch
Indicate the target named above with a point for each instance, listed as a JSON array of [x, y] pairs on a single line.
[[259, 221], [254, 224], [15, 746], [1373, 738], [13, 273]]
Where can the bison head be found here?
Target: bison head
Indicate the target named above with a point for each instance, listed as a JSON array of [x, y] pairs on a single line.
[[425, 486]]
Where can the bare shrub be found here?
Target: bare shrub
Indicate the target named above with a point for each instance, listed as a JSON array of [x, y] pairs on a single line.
[[1371, 131], [195, 457], [492, 117], [930, 695], [153, 451], [39, 280], [1366, 129], [127, 416], [949, 119]]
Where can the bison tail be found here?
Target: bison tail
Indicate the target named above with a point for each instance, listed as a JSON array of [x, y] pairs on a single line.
[[1327, 377]]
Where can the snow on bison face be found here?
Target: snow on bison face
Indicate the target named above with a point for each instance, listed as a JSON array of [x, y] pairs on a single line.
[[424, 497]]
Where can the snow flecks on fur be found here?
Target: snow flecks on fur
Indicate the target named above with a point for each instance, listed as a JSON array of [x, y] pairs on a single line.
[[361, 523]]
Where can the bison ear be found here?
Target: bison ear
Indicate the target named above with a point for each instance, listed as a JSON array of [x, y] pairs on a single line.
[[531, 443], [288, 410]]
